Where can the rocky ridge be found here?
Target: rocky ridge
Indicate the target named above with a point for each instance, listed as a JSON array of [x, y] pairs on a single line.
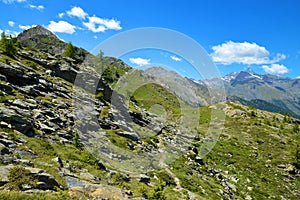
[[37, 103]]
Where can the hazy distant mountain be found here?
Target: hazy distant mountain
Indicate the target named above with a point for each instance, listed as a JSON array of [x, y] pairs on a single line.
[[185, 89], [266, 92], [281, 92]]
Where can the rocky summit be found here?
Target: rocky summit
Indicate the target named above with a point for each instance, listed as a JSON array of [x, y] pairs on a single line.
[[78, 126]]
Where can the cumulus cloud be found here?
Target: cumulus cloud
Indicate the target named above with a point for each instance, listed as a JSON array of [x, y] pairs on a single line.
[[9, 32], [11, 23], [97, 24], [61, 27], [25, 27], [175, 58], [276, 69], [77, 12], [12, 1], [92, 23], [139, 61], [39, 7], [243, 53]]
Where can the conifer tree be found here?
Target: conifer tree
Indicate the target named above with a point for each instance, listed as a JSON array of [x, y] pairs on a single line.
[[70, 51], [7, 45]]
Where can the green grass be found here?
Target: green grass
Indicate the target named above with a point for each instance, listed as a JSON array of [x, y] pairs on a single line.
[[248, 152], [5, 98], [152, 94], [117, 140], [13, 195], [6, 59], [46, 99], [236, 106], [18, 176], [113, 71], [46, 151], [104, 113]]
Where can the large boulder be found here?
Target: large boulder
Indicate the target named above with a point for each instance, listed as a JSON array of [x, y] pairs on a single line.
[[17, 122], [3, 150], [45, 181], [98, 191], [144, 178]]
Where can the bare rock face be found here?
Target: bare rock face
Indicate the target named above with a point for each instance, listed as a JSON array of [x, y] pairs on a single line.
[[34, 32], [41, 38], [17, 121], [3, 150], [44, 40]]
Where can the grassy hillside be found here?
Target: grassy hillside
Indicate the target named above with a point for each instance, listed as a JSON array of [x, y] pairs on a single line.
[[257, 155], [153, 94]]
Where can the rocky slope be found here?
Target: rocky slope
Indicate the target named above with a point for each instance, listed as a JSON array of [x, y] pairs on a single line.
[[65, 133]]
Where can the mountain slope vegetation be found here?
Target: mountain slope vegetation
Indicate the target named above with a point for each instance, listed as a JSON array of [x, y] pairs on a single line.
[[66, 132]]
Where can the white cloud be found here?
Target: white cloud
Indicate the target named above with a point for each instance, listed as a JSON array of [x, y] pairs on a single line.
[[77, 12], [140, 61], [11, 23], [175, 58], [298, 77], [95, 37], [12, 1], [276, 69], [61, 15], [61, 27], [26, 26], [92, 27], [9, 32], [97, 24], [39, 7], [243, 53]]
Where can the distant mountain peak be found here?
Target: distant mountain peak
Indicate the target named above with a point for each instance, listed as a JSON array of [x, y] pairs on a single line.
[[36, 31], [41, 38], [250, 70]]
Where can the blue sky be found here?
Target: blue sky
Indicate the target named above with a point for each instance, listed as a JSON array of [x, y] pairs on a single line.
[[237, 34]]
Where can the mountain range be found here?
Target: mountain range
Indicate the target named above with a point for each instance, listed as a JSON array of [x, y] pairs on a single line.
[[78, 126], [267, 92]]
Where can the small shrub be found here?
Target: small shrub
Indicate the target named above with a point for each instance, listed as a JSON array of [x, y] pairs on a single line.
[[297, 157], [18, 177], [104, 113], [118, 180], [76, 140], [30, 64], [296, 128], [157, 191], [99, 96], [252, 114]]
